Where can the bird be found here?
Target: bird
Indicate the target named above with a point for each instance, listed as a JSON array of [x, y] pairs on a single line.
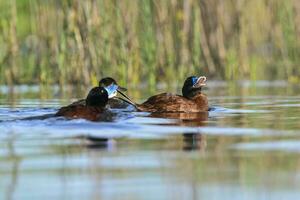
[[114, 102], [94, 108], [192, 99]]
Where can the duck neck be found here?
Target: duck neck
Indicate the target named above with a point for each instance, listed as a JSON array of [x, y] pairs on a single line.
[[191, 93]]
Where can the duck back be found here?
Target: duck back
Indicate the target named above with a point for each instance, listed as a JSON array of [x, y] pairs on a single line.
[[80, 111], [167, 102], [112, 103], [79, 102]]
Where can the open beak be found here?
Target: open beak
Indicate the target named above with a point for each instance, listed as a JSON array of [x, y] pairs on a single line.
[[201, 81], [127, 98], [121, 90]]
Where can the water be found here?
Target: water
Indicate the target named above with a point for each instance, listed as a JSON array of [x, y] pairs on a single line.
[[248, 147]]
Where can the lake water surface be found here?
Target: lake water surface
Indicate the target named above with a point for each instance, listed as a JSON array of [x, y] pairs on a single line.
[[246, 147]]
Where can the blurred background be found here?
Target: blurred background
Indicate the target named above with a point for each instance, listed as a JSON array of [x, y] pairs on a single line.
[[75, 42], [53, 51]]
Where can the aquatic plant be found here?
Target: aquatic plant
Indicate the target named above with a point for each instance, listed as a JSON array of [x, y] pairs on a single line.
[[76, 42]]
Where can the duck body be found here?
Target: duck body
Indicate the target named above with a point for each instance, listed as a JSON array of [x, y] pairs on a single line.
[[191, 101], [167, 102], [91, 113], [93, 109]]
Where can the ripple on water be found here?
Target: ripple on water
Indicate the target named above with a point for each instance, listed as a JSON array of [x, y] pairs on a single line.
[[281, 145], [126, 124], [154, 153], [129, 126]]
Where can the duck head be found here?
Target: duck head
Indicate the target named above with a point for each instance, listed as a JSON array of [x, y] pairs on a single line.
[[192, 86], [111, 85], [98, 97], [113, 88]]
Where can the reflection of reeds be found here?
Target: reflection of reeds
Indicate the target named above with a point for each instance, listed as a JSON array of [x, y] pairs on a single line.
[[134, 40]]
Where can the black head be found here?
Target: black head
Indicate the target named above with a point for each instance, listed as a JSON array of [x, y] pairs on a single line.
[[97, 96], [107, 81], [192, 86]]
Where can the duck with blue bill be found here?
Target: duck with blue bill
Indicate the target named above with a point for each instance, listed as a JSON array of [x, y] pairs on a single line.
[[94, 108], [113, 88], [192, 99]]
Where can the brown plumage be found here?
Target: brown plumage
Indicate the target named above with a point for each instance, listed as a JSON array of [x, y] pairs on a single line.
[[93, 109], [191, 101], [167, 102], [91, 113]]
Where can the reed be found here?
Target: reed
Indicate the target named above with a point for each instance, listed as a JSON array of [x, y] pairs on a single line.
[[77, 42]]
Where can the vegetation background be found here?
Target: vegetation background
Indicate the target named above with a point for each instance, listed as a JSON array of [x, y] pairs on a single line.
[[77, 42]]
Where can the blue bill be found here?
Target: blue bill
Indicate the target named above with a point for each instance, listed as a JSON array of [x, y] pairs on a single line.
[[112, 90]]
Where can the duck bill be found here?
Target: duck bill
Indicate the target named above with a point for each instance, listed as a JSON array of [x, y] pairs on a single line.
[[112, 90], [127, 98], [122, 89], [201, 81]]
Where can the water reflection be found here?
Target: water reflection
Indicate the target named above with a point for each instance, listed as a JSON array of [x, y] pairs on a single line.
[[190, 142], [98, 143], [247, 146], [15, 162], [185, 119], [194, 141]]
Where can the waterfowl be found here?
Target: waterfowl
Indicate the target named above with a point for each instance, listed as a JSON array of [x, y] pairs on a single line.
[[113, 101], [192, 99], [94, 108]]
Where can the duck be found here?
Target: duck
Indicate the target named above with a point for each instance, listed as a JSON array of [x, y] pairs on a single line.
[[114, 102], [94, 108], [192, 99]]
